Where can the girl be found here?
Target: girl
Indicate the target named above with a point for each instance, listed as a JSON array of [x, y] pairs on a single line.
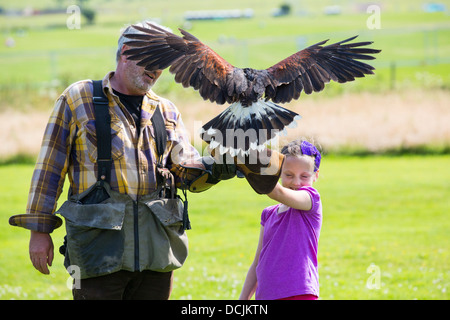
[[285, 264]]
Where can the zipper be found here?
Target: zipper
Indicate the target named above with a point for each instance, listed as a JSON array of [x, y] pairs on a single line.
[[135, 202], [136, 235], [136, 209]]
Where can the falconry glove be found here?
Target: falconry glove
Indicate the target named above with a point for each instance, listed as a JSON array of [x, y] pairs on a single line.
[[202, 174]]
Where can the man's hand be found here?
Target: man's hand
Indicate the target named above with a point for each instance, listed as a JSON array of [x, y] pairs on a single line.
[[41, 251]]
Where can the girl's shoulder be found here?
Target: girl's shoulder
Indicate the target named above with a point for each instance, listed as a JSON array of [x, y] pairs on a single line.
[[271, 209], [315, 200], [312, 191], [267, 211]]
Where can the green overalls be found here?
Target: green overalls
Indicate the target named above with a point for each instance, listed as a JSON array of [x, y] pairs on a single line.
[[122, 234]]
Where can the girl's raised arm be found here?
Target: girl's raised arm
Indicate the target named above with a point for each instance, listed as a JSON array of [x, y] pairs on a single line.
[[296, 199]]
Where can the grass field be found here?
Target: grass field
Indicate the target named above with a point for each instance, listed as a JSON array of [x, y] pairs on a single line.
[[388, 211], [48, 56], [380, 213], [397, 122]]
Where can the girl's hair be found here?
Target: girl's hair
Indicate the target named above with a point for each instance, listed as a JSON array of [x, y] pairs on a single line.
[[302, 147]]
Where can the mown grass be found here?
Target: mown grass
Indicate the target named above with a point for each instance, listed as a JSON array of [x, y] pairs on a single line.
[[46, 50], [388, 211]]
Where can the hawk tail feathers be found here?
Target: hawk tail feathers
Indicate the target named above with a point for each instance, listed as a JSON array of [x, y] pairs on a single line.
[[239, 130]]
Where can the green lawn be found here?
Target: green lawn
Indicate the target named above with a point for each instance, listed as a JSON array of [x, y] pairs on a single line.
[[388, 211], [45, 49]]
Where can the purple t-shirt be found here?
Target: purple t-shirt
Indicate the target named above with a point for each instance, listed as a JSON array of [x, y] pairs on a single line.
[[288, 260]]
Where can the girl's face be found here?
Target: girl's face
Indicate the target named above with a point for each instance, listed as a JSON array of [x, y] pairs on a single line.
[[297, 172]]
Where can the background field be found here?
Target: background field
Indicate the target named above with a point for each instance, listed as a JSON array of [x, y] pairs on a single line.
[[388, 211], [384, 178], [411, 81], [46, 50]]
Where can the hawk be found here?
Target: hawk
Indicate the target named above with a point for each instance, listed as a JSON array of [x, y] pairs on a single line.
[[253, 118]]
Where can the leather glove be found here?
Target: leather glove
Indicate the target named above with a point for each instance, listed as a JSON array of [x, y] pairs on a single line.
[[262, 169], [219, 170]]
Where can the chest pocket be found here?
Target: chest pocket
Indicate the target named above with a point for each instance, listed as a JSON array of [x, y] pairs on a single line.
[[117, 143], [172, 136], [170, 129]]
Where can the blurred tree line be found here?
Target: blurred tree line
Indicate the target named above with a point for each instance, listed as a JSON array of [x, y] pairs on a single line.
[[86, 11]]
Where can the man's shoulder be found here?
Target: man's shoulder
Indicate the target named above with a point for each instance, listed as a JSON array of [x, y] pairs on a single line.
[[81, 87], [165, 102], [168, 108], [77, 98]]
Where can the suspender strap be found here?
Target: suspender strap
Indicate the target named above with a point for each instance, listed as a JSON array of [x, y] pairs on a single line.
[[103, 129], [161, 142], [160, 133]]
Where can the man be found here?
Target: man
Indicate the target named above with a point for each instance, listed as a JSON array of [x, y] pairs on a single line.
[[69, 147]]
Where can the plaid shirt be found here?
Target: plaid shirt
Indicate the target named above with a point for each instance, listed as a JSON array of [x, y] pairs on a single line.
[[69, 147]]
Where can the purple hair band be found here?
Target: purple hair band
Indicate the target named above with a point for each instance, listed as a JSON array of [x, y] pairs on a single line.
[[310, 150]]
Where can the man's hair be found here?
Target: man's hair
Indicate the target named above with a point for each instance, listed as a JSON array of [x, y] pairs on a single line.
[[130, 30]]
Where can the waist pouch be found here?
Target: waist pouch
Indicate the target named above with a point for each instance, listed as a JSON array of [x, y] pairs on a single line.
[[119, 233]]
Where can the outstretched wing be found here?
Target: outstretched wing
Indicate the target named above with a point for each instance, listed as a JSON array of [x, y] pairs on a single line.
[[309, 69], [193, 63]]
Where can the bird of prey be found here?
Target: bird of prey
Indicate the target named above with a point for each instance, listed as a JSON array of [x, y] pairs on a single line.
[[253, 94]]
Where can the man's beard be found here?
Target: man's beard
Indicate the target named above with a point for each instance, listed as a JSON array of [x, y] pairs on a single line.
[[138, 81], [141, 84]]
